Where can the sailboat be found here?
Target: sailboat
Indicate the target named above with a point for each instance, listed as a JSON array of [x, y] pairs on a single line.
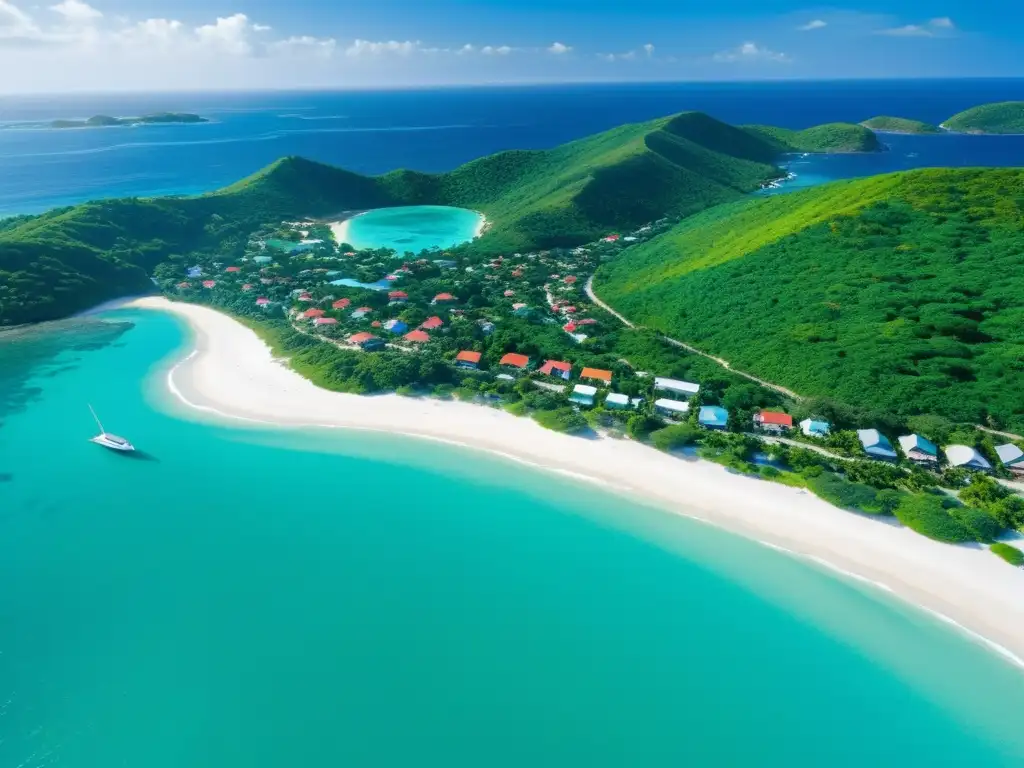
[[107, 440]]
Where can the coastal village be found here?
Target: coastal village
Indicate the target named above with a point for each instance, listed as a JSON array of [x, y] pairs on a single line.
[[519, 331]]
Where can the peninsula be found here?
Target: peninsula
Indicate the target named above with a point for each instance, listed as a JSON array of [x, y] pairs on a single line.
[[1005, 117], [900, 125], [106, 121]]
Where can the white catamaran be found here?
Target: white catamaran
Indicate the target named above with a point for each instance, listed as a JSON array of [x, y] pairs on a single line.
[[108, 440]]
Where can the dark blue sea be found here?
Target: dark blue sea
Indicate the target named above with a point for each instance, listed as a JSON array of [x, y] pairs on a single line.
[[435, 130]]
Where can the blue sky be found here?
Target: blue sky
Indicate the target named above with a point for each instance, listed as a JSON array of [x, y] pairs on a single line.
[[64, 45]]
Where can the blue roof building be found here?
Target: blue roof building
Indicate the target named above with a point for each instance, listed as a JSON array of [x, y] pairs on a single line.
[[396, 326], [919, 449], [876, 445], [814, 428], [713, 417]]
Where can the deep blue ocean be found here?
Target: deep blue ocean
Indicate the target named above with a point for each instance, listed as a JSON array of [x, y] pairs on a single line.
[[435, 130]]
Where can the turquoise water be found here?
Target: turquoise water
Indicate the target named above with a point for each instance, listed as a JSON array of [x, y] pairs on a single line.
[[413, 228], [380, 285], [242, 597]]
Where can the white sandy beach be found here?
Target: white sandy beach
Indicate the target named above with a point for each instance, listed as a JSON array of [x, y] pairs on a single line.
[[340, 229], [233, 373]]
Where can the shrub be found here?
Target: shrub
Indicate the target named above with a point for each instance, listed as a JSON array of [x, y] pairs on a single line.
[[1012, 555], [840, 492], [561, 420], [983, 525], [675, 436], [928, 516]]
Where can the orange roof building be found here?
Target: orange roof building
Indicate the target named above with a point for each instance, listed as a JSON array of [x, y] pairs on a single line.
[[419, 337], [596, 374], [556, 368], [313, 313], [515, 360], [467, 359]]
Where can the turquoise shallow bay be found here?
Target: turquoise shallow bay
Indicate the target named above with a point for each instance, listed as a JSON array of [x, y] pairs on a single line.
[[413, 228], [254, 597]]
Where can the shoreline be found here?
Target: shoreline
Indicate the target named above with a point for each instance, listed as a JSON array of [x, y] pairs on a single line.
[[340, 226], [232, 374]]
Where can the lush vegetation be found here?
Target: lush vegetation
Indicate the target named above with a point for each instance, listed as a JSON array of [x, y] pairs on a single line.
[[1009, 553], [902, 294], [66, 260], [1004, 117], [833, 137], [105, 121], [899, 125]]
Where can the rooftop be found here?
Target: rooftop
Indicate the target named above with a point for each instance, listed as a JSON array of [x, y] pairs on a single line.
[[468, 356], [596, 373], [515, 360]]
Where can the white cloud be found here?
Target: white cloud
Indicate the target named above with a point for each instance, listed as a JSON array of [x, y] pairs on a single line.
[[369, 48], [261, 28], [15, 23], [76, 12], [649, 49], [559, 48], [500, 50], [810, 26], [229, 34], [304, 44], [937, 27], [749, 52]]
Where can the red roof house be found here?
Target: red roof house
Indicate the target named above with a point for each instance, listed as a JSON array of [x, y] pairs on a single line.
[[432, 322], [773, 421], [262, 301], [570, 280], [397, 295], [247, 287], [556, 368], [509, 293], [209, 283], [569, 327], [515, 360], [309, 313], [325, 321], [341, 304], [467, 359], [233, 269], [596, 374], [375, 324], [419, 337], [443, 298]]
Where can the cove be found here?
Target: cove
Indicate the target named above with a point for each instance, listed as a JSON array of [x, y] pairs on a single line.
[[410, 228]]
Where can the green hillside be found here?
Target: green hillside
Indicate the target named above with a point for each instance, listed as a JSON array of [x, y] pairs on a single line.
[[832, 137], [1004, 117], [902, 293], [68, 260], [899, 125]]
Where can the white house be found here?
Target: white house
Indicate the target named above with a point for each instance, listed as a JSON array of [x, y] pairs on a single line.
[[685, 388], [674, 409], [967, 457], [583, 394], [1011, 457], [814, 428]]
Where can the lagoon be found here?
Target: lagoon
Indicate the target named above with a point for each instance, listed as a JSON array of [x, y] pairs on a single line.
[[244, 596], [411, 228]]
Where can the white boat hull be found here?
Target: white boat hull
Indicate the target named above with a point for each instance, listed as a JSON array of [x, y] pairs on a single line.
[[121, 444]]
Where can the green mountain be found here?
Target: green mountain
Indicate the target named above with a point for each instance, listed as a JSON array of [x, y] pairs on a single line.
[[901, 293], [899, 125], [68, 260], [832, 137], [1003, 117]]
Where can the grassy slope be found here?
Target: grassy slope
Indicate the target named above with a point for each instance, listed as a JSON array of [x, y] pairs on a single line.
[[899, 125], [1003, 117], [832, 137], [902, 292]]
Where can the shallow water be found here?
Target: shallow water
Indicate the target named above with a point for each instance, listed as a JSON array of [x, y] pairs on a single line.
[[413, 228], [252, 597]]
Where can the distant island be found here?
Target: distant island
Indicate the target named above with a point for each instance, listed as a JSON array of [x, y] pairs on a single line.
[[828, 138], [1005, 117], [106, 121], [886, 124]]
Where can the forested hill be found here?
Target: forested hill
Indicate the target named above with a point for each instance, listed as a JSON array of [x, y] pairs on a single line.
[[67, 260], [901, 293]]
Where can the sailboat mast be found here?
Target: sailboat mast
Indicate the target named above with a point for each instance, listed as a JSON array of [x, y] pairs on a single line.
[[102, 430]]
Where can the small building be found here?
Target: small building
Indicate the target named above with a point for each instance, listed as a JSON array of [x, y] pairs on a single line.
[[359, 314], [398, 296], [583, 394], [617, 401], [233, 269], [417, 337], [773, 421], [713, 417], [514, 360], [876, 445], [814, 428], [325, 321], [486, 327], [432, 323], [209, 283], [597, 374], [919, 450], [966, 457], [674, 409], [444, 298], [195, 272], [396, 326], [446, 263], [557, 368], [341, 304], [309, 314], [262, 301], [262, 259], [246, 287], [468, 359], [367, 341], [1011, 457], [686, 388]]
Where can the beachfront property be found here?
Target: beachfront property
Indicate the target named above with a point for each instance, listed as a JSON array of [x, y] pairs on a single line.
[[366, 341], [618, 402], [514, 360], [673, 409], [1011, 457], [966, 457], [876, 445], [685, 388], [557, 368], [597, 374], [583, 394], [775, 422], [919, 450], [814, 428], [713, 417], [468, 359], [396, 326]]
